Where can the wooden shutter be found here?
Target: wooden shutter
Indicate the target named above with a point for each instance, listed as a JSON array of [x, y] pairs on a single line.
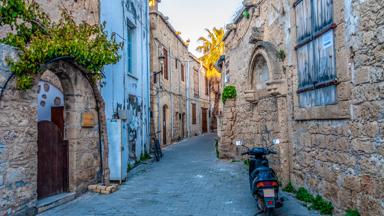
[[193, 113], [196, 83], [165, 68], [315, 53], [182, 73]]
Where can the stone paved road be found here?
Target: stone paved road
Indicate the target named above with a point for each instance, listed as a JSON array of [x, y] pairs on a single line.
[[189, 181]]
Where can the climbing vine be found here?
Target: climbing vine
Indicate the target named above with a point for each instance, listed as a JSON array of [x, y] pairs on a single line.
[[41, 40]]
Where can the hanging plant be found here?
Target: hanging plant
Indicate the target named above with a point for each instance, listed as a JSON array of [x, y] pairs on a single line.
[[229, 92], [40, 40]]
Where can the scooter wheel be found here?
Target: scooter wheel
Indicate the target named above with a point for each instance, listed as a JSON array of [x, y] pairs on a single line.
[[268, 212]]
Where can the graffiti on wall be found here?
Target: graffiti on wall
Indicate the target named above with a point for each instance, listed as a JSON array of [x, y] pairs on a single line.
[[135, 123]]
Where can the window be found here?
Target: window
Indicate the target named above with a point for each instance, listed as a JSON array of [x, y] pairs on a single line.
[[196, 83], [194, 114], [165, 66], [130, 49], [176, 63], [182, 73], [206, 86], [315, 53]]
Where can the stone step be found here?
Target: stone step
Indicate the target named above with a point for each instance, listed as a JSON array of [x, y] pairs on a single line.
[[54, 201]]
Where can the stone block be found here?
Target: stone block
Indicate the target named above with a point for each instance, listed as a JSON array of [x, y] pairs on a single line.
[[353, 183], [363, 145], [92, 187], [344, 91], [361, 76]]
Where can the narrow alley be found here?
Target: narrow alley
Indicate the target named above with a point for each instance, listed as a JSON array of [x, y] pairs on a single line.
[[189, 180]]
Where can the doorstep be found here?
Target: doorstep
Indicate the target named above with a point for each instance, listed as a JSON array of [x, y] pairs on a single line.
[[54, 201]]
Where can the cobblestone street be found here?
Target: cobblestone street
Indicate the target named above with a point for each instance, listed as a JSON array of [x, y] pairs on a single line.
[[188, 181]]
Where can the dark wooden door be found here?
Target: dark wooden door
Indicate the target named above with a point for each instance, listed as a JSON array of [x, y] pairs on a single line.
[[164, 125], [204, 122], [183, 125], [57, 117], [52, 177]]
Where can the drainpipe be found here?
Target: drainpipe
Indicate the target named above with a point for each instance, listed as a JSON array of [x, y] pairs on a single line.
[[148, 76], [171, 90], [188, 100]]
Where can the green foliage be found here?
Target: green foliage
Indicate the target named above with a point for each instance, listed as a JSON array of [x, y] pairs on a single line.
[[246, 14], [318, 202], [217, 149], [228, 93], [289, 188], [246, 163], [130, 167], [145, 157], [303, 195], [352, 212], [281, 55], [323, 206], [40, 40]]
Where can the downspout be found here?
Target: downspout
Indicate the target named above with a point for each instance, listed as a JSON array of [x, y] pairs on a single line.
[[171, 92], [188, 100], [148, 68]]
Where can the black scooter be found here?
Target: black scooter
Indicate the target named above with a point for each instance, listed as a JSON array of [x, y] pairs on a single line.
[[263, 180]]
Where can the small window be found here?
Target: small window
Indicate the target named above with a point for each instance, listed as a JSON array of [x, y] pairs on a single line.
[[206, 86], [315, 53], [194, 113], [165, 66]]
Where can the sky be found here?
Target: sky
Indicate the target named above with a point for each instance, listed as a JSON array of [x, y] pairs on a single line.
[[191, 17]]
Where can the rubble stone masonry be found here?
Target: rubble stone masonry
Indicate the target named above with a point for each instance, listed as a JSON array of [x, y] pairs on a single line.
[[336, 150]]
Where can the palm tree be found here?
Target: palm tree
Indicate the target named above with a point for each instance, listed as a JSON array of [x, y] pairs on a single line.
[[212, 48]]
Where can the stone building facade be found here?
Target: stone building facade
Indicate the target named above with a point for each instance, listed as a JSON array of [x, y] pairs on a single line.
[[179, 98], [74, 128], [315, 83]]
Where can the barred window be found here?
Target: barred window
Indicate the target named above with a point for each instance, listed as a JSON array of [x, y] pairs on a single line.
[[315, 53]]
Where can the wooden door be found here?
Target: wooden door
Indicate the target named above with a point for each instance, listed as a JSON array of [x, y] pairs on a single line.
[[183, 125], [164, 125], [52, 158], [204, 122]]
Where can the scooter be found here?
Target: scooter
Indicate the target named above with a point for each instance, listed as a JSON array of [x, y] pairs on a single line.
[[263, 180]]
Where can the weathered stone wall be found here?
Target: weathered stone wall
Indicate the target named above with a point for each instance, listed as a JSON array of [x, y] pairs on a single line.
[[334, 150], [175, 94], [18, 138], [81, 11]]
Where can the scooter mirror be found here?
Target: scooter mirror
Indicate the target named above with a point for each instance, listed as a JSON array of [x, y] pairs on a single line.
[[239, 143], [275, 141]]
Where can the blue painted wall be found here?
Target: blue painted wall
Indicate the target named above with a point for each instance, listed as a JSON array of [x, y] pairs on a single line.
[[126, 92]]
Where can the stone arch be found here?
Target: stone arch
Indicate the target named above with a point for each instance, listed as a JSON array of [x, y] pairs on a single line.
[[18, 135], [264, 51]]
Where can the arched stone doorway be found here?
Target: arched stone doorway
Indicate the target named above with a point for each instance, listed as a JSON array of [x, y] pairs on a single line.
[[19, 137], [267, 91]]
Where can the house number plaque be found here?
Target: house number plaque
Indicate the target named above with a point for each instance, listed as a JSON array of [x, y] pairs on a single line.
[[88, 120]]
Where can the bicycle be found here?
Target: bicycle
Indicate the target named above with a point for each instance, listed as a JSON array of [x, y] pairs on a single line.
[[157, 147]]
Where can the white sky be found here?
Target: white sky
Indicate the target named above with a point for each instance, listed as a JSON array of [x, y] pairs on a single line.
[[191, 17]]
